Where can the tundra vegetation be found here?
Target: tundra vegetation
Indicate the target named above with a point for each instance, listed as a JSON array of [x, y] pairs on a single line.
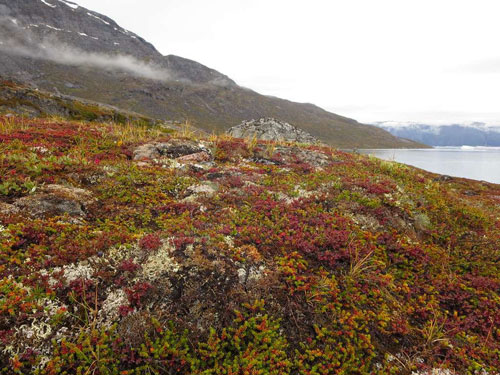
[[127, 249]]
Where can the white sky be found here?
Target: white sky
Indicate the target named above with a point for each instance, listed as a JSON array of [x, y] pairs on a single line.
[[433, 61]]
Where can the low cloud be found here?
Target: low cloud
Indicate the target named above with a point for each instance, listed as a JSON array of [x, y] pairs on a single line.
[[485, 66], [16, 40]]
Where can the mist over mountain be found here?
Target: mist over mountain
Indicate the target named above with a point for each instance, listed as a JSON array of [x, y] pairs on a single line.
[[59, 46], [474, 134], [65, 33]]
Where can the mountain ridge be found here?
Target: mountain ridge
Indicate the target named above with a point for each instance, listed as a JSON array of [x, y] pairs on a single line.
[[106, 63]]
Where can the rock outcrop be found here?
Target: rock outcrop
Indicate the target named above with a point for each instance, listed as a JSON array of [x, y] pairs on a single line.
[[55, 200], [271, 129], [185, 150]]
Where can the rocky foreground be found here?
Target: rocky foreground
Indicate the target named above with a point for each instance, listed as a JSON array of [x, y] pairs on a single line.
[[131, 250]]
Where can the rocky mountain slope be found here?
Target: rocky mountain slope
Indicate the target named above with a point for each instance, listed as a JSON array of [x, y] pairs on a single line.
[[476, 134], [64, 48], [21, 100], [127, 249]]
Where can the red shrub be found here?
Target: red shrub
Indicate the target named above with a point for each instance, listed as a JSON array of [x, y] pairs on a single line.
[[128, 265], [124, 310], [234, 181], [82, 290], [150, 242], [179, 208], [181, 242], [137, 293]]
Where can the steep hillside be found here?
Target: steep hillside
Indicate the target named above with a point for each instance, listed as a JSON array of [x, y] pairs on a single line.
[[21, 100], [65, 48], [128, 250]]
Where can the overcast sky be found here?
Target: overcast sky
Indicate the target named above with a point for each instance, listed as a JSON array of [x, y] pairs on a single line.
[[402, 60]]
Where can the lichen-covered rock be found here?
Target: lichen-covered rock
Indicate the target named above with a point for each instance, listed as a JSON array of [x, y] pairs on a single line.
[[271, 129], [422, 222], [56, 200], [198, 157], [172, 149], [250, 274], [8, 209], [206, 188]]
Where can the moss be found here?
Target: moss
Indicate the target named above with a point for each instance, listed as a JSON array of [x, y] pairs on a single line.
[[301, 260]]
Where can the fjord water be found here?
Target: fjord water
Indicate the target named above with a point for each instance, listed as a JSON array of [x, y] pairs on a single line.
[[478, 163]]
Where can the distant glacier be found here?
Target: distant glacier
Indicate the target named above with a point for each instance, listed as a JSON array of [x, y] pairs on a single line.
[[474, 134]]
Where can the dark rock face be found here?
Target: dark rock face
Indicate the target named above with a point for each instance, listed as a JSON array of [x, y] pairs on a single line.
[[55, 200], [172, 150], [271, 129]]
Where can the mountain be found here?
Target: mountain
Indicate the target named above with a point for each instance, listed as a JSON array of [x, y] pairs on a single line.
[[64, 48], [475, 134], [20, 100]]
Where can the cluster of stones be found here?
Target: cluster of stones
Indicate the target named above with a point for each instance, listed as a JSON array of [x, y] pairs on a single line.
[[271, 129]]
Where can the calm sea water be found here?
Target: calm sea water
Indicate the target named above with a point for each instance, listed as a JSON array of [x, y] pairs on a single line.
[[478, 163]]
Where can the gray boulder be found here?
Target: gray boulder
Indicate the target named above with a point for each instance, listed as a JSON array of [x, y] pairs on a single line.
[[56, 200], [271, 129], [172, 149]]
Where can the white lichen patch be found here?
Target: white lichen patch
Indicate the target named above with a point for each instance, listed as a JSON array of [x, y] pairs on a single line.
[[109, 311], [280, 196], [117, 254], [159, 263], [169, 163], [208, 189], [110, 170], [74, 272], [40, 149], [435, 371], [37, 330], [70, 272], [251, 274], [37, 334], [297, 193], [366, 222], [229, 241], [300, 192], [242, 275]]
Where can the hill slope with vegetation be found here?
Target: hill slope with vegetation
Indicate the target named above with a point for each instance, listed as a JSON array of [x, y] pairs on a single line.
[[64, 48], [134, 250], [22, 100]]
